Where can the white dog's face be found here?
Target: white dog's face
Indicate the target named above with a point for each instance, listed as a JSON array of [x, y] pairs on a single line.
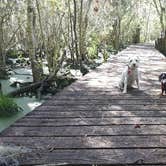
[[133, 62]]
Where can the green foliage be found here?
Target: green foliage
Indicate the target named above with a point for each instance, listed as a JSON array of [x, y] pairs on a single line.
[[14, 53], [105, 55], [92, 24], [7, 106], [93, 44], [92, 51], [111, 49]]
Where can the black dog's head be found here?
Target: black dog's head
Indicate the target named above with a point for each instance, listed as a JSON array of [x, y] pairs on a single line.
[[162, 77]]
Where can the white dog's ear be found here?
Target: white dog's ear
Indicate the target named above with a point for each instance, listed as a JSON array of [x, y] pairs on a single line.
[[129, 59], [138, 58]]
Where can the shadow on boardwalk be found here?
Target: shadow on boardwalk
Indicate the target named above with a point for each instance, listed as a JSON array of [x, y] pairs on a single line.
[[92, 122]]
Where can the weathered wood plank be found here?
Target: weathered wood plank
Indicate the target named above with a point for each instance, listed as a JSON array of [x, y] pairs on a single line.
[[108, 142], [105, 102], [103, 156], [84, 95], [107, 107], [105, 92], [93, 114], [112, 88], [90, 121], [85, 130]]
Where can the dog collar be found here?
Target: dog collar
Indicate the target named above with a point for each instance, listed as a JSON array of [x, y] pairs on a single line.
[[129, 70]]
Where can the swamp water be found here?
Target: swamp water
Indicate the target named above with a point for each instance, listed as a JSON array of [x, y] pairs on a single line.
[[26, 103]]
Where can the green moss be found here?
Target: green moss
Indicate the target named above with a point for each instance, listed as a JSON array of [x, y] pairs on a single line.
[[7, 106]]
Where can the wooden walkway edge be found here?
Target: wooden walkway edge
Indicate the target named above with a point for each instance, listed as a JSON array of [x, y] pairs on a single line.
[[92, 122]]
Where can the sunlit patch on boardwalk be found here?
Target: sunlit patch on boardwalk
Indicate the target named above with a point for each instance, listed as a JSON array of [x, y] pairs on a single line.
[[92, 122]]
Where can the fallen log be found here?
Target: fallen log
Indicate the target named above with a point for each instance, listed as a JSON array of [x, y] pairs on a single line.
[[32, 87], [21, 84], [45, 86]]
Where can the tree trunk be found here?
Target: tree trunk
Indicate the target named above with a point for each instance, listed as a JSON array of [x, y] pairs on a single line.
[[31, 21], [147, 25], [42, 47], [116, 34], [80, 30], [83, 24], [2, 53], [162, 22], [75, 34], [70, 34]]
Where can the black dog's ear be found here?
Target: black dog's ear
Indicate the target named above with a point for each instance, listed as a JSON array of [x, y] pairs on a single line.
[[162, 76]]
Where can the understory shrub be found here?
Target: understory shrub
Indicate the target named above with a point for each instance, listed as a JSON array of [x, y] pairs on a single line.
[[7, 106]]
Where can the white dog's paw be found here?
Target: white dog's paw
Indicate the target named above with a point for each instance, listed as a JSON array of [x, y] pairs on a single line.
[[139, 87], [124, 91]]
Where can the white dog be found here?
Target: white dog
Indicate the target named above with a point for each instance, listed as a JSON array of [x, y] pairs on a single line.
[[130, 74]]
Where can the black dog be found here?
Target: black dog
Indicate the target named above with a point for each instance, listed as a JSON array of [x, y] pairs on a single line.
[[162, 79]]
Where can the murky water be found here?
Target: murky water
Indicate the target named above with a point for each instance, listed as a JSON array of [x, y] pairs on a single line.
[[26, 103]]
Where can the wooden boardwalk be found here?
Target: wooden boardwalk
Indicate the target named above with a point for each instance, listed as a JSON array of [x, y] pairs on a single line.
[[92, 122]]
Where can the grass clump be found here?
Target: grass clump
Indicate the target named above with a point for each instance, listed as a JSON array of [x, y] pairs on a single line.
[[7, 106]]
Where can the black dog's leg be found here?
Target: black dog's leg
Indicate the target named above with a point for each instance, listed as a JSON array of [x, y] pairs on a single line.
[[162, 89]]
